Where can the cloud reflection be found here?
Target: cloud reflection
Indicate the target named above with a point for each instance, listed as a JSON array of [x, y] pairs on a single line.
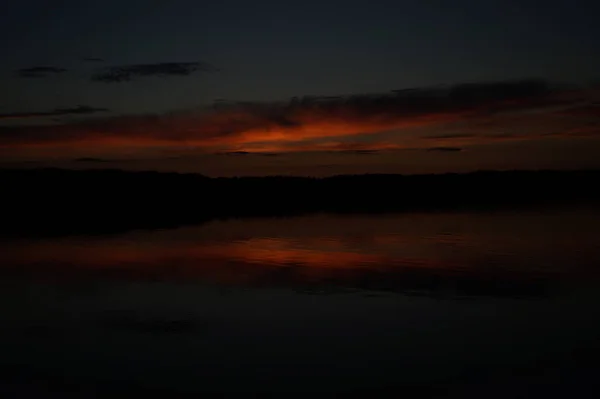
[[324, 264]]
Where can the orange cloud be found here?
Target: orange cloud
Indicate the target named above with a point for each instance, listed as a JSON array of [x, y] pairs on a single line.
[[332, 123]]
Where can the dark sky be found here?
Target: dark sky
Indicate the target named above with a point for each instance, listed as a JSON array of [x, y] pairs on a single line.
[[180, 56]]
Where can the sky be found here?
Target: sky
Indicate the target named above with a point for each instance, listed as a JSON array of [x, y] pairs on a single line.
[[311, 88]]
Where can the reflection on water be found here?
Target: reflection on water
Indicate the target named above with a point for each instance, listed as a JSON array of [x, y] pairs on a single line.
[[162, 305], [523, 252]]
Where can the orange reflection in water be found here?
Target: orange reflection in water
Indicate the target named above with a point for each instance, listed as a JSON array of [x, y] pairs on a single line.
[[237, 260], [325, 247], [478, 254]]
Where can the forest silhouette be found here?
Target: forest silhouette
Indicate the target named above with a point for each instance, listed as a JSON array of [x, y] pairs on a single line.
[[42, 202]]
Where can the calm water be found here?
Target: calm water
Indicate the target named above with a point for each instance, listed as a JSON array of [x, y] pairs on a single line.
[[442, 304]]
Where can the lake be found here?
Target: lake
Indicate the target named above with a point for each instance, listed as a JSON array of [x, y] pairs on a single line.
[[457, 304]]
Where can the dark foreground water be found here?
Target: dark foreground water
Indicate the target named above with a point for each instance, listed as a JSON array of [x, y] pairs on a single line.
[[479, 305]]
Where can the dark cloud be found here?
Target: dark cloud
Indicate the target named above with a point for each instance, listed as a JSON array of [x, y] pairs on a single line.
[[90, 160], [438, 99], [39, 71], [124, 73], [360, 152], [244, 153], [449, 136], [501, 136], [79, 110], [591, 131], [377, 110], [477, 92], [585, 110], [445, 149], [303, 123], [237, 153]]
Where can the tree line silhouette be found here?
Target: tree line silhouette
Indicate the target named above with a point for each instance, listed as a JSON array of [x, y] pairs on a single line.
[[60, 201]]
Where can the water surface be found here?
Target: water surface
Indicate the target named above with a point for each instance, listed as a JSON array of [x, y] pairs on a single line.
[[437, 303]]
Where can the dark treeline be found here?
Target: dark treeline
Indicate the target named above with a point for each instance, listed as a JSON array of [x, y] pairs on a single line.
[[57, 201]]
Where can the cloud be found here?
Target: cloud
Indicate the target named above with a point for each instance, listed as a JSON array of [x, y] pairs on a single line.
[[312, 117], [124, 73], [244, 153], [235, 153], [362, 123], [339, 146], [585, 110], [39, 71], [79, 110], [362, 152], [445, 149], [449, 136], [90, 160], [582, 131]]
